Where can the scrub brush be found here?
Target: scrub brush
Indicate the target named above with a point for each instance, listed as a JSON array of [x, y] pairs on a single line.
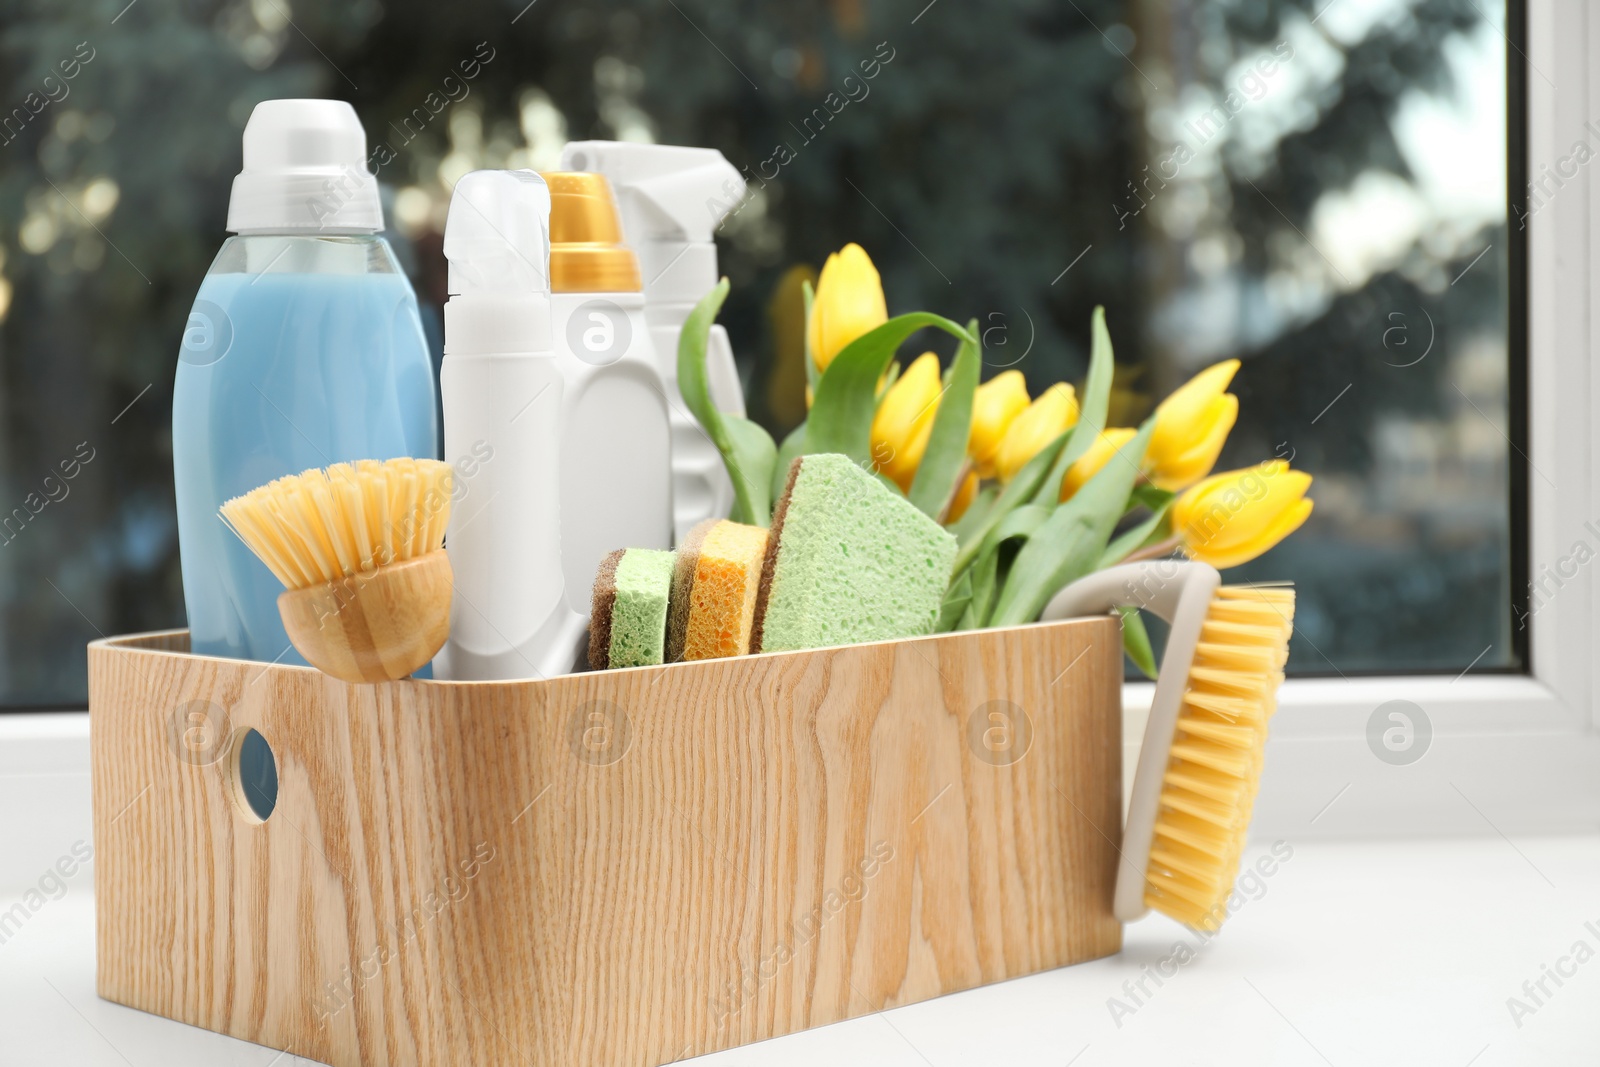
[[1200, 763], [359, 548]]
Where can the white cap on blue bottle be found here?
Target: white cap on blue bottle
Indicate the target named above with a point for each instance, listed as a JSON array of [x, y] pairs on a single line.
[[305, 172]]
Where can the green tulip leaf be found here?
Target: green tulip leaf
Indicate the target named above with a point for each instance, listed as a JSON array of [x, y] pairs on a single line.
[[984, 574], [1068, 544], [752, 466], [1147, 495], [956, 599], [1020, 523], [1136, 642], [944, 460], [994, 560], [1152, 530], [1092, 412], [847, 393], [793, 445], [693, 381], [1015, 494], [812, 374], [890, 376], [747, 450]]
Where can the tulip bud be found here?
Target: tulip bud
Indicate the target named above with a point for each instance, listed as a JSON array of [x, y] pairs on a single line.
[[995, 404], [1048, 417], [848, 303], [1191, 427], [1088, 465], [904, 421], [1233, 517]]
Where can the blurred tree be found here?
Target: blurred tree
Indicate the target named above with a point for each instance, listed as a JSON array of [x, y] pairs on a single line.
[[978, 153], [114, 195]]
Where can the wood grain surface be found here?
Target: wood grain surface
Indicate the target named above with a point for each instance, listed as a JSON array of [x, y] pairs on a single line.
[[622, 868]]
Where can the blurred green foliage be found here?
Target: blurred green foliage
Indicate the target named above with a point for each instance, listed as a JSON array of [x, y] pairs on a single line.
[[986, 154]]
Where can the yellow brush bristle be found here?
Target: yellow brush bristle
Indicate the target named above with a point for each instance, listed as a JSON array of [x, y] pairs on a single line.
[[1215, 765], [349, 519]]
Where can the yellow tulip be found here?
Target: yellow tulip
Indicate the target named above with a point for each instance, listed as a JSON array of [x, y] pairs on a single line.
[[1052, 414], [1233, 517], [964, 497], [904, 420], [1088, 465], [848, 303], [1191, 426], [996, 403]]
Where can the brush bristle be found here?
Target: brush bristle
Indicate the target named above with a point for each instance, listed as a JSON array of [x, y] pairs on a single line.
[[1215, 766], [349, 519]]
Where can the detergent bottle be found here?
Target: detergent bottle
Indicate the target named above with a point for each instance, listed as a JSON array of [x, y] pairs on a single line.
[[303, 349], [672, 200]]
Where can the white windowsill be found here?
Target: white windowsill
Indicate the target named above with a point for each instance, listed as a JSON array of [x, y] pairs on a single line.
[[1375, 953]]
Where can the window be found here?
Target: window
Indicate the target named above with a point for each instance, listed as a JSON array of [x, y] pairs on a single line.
[[1342, 228], [1319, 188]]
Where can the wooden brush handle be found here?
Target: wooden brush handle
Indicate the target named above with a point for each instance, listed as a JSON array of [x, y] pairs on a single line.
[[373, 627]]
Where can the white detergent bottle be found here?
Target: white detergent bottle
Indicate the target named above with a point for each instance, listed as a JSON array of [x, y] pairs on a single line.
[[502, 385], [672, 200], [616, 468]]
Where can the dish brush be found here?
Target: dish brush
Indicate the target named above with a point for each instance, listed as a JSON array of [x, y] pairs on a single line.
[[1200, 764], [359, 549]]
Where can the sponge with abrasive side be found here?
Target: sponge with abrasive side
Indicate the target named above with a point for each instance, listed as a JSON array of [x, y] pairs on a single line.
[[628, 616], [848, 560], [714, 591]]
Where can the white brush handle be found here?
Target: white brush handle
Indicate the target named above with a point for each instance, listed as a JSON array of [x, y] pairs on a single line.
[[1179, 592]]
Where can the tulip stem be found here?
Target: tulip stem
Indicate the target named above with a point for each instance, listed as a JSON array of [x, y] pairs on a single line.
[[949, 501], [1155, 551]]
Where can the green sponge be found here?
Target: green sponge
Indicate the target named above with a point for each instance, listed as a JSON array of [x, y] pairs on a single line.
[[848, 560], [628, 618]]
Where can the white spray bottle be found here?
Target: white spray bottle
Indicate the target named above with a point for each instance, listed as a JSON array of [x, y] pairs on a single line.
[[672, 200], [616, 466], [502, 386]]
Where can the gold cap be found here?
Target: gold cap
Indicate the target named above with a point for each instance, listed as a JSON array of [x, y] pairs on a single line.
[[586, 250]]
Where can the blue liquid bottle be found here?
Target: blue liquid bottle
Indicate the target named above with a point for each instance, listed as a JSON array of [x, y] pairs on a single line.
[[304, 348]]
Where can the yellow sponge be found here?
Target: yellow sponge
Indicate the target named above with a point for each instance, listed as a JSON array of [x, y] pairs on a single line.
[[718, 573]]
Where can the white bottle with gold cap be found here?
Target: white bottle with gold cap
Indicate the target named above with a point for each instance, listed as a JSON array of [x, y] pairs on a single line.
[[616, 457], [672, 200]]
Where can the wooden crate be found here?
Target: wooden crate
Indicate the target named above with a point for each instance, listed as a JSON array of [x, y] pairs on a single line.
[[620, 869]]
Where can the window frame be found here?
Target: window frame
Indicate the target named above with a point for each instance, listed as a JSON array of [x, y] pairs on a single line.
[[1510, 753]]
